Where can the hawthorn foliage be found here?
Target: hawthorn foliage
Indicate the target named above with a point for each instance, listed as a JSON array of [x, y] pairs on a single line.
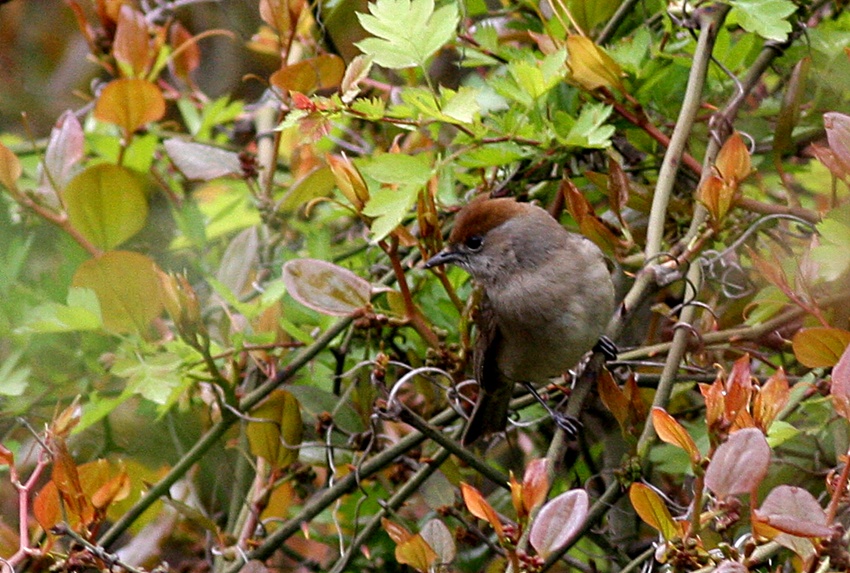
[[219, 348]]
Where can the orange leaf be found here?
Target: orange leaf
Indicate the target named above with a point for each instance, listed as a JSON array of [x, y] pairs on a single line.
[[130, 104], [417, 553], [651, 509], [132, 47], [535, 484], [771, 399], [480, 508], [187, 56], [672, 432], [311, 75], [397, 532], [717, 196], [820, 347], [10, 168], [739, 388], [116, 489], [733, 161]]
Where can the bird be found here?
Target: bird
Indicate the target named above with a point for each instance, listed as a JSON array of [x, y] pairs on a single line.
[[547, 297]]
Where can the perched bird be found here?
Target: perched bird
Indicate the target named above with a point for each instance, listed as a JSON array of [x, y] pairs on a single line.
[[547, 298]]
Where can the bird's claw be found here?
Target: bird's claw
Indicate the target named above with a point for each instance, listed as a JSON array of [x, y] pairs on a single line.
[[606, 347], [569, 424]]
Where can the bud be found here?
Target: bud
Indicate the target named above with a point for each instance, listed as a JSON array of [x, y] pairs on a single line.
[[349, 181], [182, 305]]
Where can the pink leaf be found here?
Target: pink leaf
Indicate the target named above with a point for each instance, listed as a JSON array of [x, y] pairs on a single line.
[[739, 464], [558, 521]]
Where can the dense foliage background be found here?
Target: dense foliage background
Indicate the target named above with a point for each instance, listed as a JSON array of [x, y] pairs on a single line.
[[219, 349]]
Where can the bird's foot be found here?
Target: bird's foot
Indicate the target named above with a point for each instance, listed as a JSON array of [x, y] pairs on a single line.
[[606, 347]]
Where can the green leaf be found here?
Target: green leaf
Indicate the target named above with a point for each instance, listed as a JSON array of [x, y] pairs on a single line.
[[590, 129], [107, 204], [13, 378], [407, 32], [397, 169], [153, 377], [81, 313], [831, 253], [767, 18], [389, 207]]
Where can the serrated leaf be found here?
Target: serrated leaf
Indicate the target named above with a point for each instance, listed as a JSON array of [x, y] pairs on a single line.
[[325, 287], [107, 204], [81, 313], [590, 129], [408, 32], [767, 18], [389, 207]]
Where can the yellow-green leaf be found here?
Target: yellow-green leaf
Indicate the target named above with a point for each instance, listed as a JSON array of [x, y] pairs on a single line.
[[107, 204], [820, 347], [130, 104], [127, 287], [590, 66], [276, 430]]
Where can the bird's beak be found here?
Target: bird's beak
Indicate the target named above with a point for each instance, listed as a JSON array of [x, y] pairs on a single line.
[[444, 257]]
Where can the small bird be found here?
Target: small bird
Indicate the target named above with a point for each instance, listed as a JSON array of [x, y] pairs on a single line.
[[547, 298]]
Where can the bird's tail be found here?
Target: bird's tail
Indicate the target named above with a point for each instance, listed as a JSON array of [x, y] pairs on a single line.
[[490, 414]]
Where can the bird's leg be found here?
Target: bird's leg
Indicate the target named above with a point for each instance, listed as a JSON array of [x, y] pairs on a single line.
[[567, 423]]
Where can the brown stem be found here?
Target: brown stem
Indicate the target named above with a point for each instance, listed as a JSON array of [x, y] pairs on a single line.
[[413, 316]]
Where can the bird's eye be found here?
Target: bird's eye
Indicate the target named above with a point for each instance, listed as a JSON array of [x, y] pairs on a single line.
[[474, 242]]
